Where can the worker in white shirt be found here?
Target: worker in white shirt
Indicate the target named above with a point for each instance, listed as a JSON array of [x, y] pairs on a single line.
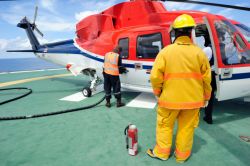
[[209, 53]]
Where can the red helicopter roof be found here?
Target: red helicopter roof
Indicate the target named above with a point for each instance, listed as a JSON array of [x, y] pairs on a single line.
[[120, 16], [129, 14], [99, 33]]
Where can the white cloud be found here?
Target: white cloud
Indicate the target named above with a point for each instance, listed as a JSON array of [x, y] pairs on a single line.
[[226, 13], [55, 25], [11, 18], [45, 21], [104, 5], [172, 6], [52, 21], [3, 44], [97, 6], [49, 5], [205, 10], [81, 15], [17, 43]]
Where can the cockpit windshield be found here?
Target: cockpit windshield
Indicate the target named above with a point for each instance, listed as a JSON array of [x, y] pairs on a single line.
[[232, 46], [245, 30]]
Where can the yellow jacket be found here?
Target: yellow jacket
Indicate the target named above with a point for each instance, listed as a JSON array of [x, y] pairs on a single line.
[[181, 76]]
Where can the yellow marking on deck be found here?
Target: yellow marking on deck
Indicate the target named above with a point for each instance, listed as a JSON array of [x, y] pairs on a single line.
[[32, 79]]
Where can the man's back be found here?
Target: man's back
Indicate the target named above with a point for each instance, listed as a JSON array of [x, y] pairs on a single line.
[[184, 72], [183, 58], [111, 62]]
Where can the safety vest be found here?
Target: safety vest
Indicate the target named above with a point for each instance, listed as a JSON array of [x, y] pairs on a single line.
[[111, 63]]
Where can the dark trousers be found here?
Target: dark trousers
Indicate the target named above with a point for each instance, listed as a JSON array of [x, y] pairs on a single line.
[[113, 82], [209, 108]]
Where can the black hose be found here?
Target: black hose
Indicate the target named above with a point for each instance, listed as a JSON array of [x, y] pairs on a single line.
[[49, 113], [16, 98]]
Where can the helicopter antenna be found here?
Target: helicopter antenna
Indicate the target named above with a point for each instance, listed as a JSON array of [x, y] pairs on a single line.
[[210, 4]]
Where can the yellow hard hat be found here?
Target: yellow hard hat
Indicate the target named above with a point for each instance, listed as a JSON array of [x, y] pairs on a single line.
[[183, 21]]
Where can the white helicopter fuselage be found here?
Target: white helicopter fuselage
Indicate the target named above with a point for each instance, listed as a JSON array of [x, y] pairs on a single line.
[[136, 79], [232, 82]]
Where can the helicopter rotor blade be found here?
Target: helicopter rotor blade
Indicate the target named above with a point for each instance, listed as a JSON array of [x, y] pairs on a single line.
[[38, 31], [35, 14], [210, 4]]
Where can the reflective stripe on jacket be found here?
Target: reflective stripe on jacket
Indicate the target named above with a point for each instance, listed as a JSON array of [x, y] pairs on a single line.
[[111, 63], [181, 76]]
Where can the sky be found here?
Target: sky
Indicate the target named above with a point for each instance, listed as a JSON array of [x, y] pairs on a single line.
[[57, 18]]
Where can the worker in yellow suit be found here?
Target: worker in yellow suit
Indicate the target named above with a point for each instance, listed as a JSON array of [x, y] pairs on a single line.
[[180, 79]]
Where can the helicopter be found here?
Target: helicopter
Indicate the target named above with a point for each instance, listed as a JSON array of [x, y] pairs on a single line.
[[142, 34]]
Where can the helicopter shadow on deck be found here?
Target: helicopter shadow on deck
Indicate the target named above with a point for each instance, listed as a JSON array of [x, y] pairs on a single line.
[[73, 85], [74, 81], [230, 110], [199, 143]]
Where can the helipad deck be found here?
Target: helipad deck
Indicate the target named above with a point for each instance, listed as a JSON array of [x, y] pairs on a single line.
[[94, 137]]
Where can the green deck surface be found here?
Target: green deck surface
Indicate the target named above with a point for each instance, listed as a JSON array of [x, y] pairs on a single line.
[[94, 137]]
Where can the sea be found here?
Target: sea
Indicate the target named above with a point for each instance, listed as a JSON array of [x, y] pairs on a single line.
[[25, 64]]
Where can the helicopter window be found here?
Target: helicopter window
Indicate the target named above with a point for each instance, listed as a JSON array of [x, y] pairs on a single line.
[[172, 36], [244, 30], [232, 52], [149, 45], [240, 42], [124, 43], [198, 38]]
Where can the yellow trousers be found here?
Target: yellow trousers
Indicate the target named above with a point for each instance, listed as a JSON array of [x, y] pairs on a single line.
[[188, 120]]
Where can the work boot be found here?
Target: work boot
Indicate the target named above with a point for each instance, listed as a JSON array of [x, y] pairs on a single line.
[[208, 120], [178, 160], [119, 103], [108, 104], [150, 152]]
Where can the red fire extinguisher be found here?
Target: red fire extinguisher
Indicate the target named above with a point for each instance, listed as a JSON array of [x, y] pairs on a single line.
[[131, 134]]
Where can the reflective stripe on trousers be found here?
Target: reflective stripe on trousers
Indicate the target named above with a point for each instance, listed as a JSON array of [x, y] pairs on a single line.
[[187, 121], [112, 82]]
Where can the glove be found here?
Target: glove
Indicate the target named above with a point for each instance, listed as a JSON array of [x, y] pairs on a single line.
[[206, 104], [122, 70]]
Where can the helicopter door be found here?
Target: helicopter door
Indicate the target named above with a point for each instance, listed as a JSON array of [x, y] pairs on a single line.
[[232, 60], [144, 47]]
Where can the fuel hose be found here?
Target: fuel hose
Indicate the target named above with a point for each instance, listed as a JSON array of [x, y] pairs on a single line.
[[44, 114], [29, 91]]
